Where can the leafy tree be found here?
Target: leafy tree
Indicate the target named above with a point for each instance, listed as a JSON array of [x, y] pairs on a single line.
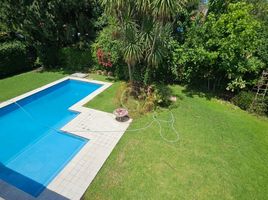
[[50, 25], [106, 42], [143, 28], [259, 7], [219, 6], [260, 12], [224, 49]]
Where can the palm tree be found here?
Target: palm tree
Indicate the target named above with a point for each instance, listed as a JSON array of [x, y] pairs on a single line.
[[132, 50], [157, 48], [163, 11], [144, 28]]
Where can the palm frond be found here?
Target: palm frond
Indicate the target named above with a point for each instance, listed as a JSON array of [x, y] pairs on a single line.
[[166, 9], [132, 53], [144, 5]]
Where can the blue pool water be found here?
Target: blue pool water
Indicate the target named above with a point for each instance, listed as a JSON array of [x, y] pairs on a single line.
[[32, 151]]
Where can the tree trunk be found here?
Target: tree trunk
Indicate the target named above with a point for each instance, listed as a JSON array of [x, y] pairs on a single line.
[[130, 73], [214, 85], [157, 34]]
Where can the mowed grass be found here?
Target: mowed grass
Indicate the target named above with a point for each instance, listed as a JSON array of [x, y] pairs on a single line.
[[107, 100], [19, 84], [222, 152]]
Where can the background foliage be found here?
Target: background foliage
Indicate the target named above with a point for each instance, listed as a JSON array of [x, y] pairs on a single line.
[[223, 51], [51, 25], [72, 58], [220, 45], [15, 57]]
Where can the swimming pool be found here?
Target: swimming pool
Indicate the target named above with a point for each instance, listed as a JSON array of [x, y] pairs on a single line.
[[32, 150]]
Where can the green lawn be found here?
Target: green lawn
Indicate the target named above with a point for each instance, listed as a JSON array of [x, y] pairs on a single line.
[[222, 152], [19, 84], [106, 101]]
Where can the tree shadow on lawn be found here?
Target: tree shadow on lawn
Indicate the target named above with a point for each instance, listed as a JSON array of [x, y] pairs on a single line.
[[70, 71], [192, 91], [61, 70]]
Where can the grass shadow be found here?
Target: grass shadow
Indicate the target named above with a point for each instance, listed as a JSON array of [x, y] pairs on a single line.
[[192, 91], [61, 70]]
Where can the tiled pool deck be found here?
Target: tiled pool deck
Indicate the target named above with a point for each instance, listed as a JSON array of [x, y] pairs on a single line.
[[99, 127]]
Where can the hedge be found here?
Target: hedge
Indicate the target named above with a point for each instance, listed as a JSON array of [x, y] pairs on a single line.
[[14, 58], [75, 59], [244, 100]]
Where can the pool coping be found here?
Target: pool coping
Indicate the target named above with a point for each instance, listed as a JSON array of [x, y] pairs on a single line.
[[74, 179]]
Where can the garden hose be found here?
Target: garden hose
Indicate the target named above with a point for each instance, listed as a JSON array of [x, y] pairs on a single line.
[[154, 120]]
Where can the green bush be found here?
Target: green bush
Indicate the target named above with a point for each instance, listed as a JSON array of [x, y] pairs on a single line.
[[75, 59], [48, 55], [224, 51], [266, 105], [243, 99], [5, 36], [14, 58], [107, 42], [162, 95]]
